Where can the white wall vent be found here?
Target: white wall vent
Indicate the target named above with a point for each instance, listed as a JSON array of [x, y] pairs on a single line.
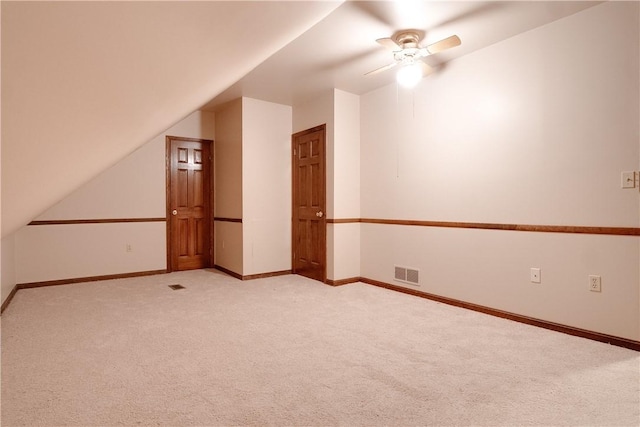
[[407, 275]]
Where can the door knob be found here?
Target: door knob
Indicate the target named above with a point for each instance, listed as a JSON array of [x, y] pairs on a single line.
[[319, 214], [174, 212]]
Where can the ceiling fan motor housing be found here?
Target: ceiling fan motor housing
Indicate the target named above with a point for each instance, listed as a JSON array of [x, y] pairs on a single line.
[[410, 49], [408, 40]]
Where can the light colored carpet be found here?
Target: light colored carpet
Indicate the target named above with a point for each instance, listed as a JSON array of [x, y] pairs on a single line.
[[291, 351]]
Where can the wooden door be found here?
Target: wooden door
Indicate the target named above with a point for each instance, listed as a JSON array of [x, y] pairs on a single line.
[[189, 225], [309, 200]]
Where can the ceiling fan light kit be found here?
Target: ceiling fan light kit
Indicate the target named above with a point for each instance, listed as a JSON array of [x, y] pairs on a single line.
[[408, 53], [409, 75]]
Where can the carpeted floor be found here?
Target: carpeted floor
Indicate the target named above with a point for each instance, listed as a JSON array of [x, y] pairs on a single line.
[[291, 351]]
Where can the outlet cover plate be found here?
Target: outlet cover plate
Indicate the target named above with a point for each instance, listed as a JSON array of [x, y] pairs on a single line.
[[595, 283]]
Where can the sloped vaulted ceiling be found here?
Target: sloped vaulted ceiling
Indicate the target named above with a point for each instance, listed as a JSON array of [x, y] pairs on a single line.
[[86, 83]]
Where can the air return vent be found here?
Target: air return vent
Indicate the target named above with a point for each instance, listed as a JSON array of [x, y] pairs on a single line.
[[407, 275]]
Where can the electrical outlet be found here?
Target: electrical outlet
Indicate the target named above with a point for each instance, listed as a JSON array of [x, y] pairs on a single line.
[[595, 283], [535, 275], [129, 249]]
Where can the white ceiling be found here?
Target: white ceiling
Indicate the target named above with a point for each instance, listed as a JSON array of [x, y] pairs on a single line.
[[340, 49]]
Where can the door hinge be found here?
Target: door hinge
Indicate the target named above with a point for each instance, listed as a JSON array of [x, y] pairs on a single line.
[[295, 152]]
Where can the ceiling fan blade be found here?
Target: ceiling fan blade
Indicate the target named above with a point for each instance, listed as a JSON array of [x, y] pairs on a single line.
[[381, 69], [388, 43], [444, 44]]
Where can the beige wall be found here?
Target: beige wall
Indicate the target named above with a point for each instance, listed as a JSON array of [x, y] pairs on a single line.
[[228, 160], [228, 246], [253, 182], [7, 266], [345, 238], [228, 186], [346, 155], [71, 251], [266, 186], [533, 130], [344, 241], [133, 188]]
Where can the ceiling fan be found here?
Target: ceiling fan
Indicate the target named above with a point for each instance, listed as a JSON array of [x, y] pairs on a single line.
[[408, 53]]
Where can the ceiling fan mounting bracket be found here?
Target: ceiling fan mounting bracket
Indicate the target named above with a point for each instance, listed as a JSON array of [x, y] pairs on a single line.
[[408, 39]]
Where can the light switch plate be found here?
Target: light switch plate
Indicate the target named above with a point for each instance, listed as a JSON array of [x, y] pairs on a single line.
[[535, 275], [628, 179]]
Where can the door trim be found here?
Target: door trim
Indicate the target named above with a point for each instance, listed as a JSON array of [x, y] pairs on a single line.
[[168, 139], [323, 128]]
